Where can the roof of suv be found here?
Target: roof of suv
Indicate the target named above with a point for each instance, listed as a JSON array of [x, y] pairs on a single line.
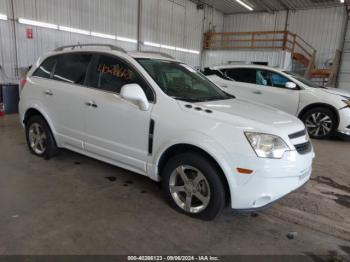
[[133, 54], [246, 66]]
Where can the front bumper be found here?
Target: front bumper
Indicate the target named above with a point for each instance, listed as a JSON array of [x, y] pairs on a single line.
[[344, 121], [272, 180]]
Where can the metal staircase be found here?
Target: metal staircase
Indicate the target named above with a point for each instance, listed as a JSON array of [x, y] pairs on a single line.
[[303, 54]]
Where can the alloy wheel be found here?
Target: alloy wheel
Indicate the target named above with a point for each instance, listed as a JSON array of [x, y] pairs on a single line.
[[37, 138], [319, 124], [190, 189]]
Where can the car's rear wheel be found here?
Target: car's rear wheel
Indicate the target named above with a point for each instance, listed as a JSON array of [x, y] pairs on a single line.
[[192, 185], [39, 137], [320, 122]]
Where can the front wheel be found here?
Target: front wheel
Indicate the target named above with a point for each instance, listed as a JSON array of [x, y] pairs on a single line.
[[39, 137], [192, 185], [320, 122]]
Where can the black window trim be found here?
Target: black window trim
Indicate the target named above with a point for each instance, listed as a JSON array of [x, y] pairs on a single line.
[[94, 55], [52, 70], [234, 68], [87, 69]]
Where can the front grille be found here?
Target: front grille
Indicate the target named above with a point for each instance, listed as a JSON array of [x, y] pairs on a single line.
[[297, 134], [303, 148]]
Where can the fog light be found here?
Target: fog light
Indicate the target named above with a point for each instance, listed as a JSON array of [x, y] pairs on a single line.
[[263, 201]]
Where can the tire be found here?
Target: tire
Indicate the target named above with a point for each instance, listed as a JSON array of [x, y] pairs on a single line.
[[39, 138], [320, 122], [205, 187]]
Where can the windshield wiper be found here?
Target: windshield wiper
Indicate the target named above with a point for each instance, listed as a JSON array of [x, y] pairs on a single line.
[[187, 99], [229, 95], [214, 98]]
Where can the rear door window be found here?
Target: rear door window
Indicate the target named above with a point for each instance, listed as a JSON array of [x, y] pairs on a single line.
[[245, 75], [72, 68], [263, 78], [45, 69]]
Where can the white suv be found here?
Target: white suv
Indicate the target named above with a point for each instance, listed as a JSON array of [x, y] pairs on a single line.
[[160, 118], [325, 111]]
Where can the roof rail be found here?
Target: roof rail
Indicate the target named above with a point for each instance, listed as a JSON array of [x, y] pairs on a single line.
[[158, 53], [72, 47]]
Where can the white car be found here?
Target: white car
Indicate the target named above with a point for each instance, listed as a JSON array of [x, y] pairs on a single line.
[[160, 118], [325, 111]]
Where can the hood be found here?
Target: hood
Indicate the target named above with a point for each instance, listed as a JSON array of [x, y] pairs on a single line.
[[255, 116], [336, 91]]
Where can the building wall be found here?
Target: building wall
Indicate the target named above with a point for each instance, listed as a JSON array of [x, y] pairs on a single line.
[[255, 22], [344, 72], [169, 22], [323, 28], [7, 54], [277, 58], [174, 23]]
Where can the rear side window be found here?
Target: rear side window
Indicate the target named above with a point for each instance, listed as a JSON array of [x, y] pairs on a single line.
[[111, 74], [45, 69], [245, 75], [263, 78], [72, 68]]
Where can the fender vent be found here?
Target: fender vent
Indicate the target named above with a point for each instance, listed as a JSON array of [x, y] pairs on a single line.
[[298, 134], [199, 109], [303, 148], [150, 137]]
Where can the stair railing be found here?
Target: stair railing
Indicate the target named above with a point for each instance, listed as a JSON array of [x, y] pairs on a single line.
[[262, 40], [335, 69]]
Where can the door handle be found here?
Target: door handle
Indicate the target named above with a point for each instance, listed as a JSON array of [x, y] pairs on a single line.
[[48, 93], [257, 92], [91, 104], [224, 86]]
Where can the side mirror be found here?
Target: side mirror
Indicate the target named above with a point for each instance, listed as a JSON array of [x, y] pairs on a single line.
[[135, 94], [291, 85]]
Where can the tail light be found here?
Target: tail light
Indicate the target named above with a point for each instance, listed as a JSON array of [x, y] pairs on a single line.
[[23, 82]]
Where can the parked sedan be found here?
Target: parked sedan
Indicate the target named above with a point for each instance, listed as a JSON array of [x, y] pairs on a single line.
[[324, 111]]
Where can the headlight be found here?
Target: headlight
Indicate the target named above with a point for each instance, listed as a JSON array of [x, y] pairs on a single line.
[[347, 102], [267, 146]]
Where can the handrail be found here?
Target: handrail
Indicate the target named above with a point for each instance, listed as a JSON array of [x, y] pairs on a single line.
[[283, 40], [246, 33], [299, 48], [306, 43]]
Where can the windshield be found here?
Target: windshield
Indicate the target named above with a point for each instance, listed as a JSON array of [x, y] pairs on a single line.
[[182, 82], [303, 80]]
